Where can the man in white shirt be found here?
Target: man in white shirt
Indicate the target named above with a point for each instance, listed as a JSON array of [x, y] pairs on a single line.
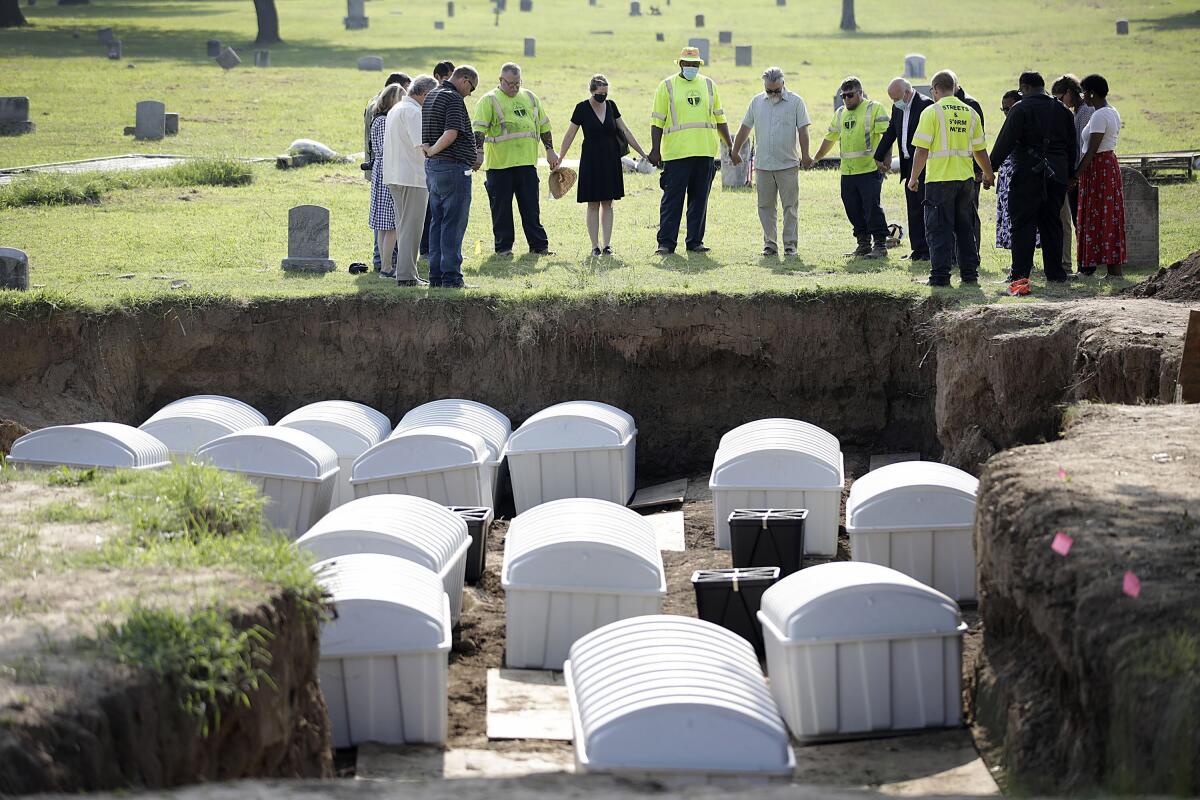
[[780, 121], [404, 175]]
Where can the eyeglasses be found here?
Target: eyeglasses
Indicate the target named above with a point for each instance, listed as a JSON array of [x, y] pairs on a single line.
[[774, 91], [513, 84], [848, 95], [472, 85]]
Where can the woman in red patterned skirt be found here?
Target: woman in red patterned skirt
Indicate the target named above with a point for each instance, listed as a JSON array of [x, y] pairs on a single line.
[[1101, 223]]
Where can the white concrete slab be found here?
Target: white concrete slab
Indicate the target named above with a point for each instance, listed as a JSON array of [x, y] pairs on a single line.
[[527, 704], [883, 459], [668, 527], [661, 495]]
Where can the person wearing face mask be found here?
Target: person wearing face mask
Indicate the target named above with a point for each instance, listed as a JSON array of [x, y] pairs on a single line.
[[509, 123], [907, 105], [857, 128], [601, 178], [686, 119], [780, 121]]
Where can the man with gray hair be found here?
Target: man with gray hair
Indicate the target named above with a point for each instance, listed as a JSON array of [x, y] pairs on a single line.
[[907, 105], [780, 121], [509, 123], [404, 176]]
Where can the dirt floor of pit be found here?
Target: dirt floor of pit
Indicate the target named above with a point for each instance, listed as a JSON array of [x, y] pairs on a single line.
[[479, 646]]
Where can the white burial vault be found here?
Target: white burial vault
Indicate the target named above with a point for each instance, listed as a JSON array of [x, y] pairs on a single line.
[[384, 657], [407, 527], [483, 420], [666, 694], [447, 465], [571, 566], [780, 463], [90, 444], [917, 517], [580, 448], [349, 428], [188, 424]]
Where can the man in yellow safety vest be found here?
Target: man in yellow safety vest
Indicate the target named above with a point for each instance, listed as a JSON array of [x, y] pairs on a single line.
[[857, 128], [509, 123], [685, 122], [949, 142]]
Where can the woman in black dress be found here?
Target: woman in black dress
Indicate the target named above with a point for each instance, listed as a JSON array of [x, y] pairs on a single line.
[[600, 172]]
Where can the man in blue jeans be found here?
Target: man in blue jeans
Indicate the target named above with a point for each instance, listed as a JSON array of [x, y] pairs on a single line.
[[449, 147]]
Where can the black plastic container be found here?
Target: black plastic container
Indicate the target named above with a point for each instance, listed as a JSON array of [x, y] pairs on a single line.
[[768, 537], [731, 597], [479, 524]]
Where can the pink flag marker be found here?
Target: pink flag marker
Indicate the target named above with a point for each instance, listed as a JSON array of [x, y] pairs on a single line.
[[1062, 543], [1131, 586], [1062, 474]]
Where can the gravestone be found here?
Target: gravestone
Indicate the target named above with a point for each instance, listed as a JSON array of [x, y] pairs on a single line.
[[262, 58], [114, 49], [371, 63], [105, 35], [14, 116], [743, 56], [527, 5], [501, 5], [530, 47], [735, 177], [14, 269], [1122, 27], [724, 37], [150, 124], [214, 48], [635, 9], [172, 123], [658, 37], [923, 89], [356, 15], [1141, 219], [308, 240], [450, 8], [781, 2], [699, 20], [228, 59], [702, 46], [438, 25], [914, 65], [591, 2]]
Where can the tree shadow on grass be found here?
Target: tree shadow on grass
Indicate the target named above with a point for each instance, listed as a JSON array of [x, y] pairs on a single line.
[[1175, 22]]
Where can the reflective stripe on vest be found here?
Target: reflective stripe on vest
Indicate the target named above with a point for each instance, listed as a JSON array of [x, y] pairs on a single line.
[[505, 136], [868, 123], [675, 126], [948, 153]]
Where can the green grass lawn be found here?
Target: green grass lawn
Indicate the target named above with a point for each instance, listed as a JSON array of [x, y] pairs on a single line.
[[229, 241]]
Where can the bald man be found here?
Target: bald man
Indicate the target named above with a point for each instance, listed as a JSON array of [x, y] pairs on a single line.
[[907, 105]]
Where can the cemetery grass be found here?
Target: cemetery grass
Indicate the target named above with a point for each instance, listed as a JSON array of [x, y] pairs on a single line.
[[61, 189], [200, 243]]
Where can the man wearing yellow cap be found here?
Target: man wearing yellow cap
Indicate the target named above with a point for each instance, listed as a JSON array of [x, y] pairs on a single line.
[[686, 120]]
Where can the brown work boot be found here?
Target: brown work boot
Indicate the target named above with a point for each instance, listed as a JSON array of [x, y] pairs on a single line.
[[863, 249], [880, 248]]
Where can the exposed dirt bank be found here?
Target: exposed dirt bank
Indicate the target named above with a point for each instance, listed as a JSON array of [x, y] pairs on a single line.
[[1004, 373], [1080, 686], [1180, 281]]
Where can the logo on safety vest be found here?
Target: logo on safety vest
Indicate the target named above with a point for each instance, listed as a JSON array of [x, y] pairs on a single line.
[[520, 111], [849, 124], [693, 98]]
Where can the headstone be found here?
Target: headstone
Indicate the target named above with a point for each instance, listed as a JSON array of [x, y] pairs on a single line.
[[635, 9], [356, 15], [702, 46], [923, 89], [591, 2], [172, 120], [114, 49], [1122, 27], [530, 47], [1141, 219], [214, 48], [735, 177], [699, 20], [14, 269], [450, 8], [781, 2], [228, 59], [724, 37], [151, 121], [14, 116], [262, 58], [501, 5], [371, 63], [914, 65], [308, 240], [105, 35], [527, 5], [438, 25], [743, 56], [658, 37]]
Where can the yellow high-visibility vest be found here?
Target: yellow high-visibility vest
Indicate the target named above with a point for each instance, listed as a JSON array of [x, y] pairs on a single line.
[[688, 112], [857, 133], [952, 132]]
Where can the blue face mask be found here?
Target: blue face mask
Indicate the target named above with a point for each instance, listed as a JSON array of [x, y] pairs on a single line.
[[901, 104], [690, 73]]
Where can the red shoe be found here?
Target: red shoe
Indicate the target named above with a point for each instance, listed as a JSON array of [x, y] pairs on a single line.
[[1019, 288]]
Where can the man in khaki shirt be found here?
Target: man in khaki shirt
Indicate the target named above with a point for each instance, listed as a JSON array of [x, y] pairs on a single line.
[[780, 121]]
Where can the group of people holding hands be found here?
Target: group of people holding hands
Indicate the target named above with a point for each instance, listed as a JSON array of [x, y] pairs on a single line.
[[1053, 164]]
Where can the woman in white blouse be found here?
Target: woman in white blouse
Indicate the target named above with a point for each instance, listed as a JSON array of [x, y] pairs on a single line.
[[1101, 223], [404, 175]]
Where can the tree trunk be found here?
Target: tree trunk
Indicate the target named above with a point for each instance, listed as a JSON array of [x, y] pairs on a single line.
[[268, 22], [10, 14], [848, 23]]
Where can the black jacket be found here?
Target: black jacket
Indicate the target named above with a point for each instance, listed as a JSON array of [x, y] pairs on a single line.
[[919, 103], [1038, 124], [973, 103]]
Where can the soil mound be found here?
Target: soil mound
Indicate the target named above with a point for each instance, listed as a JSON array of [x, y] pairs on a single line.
[[1180, 281]]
